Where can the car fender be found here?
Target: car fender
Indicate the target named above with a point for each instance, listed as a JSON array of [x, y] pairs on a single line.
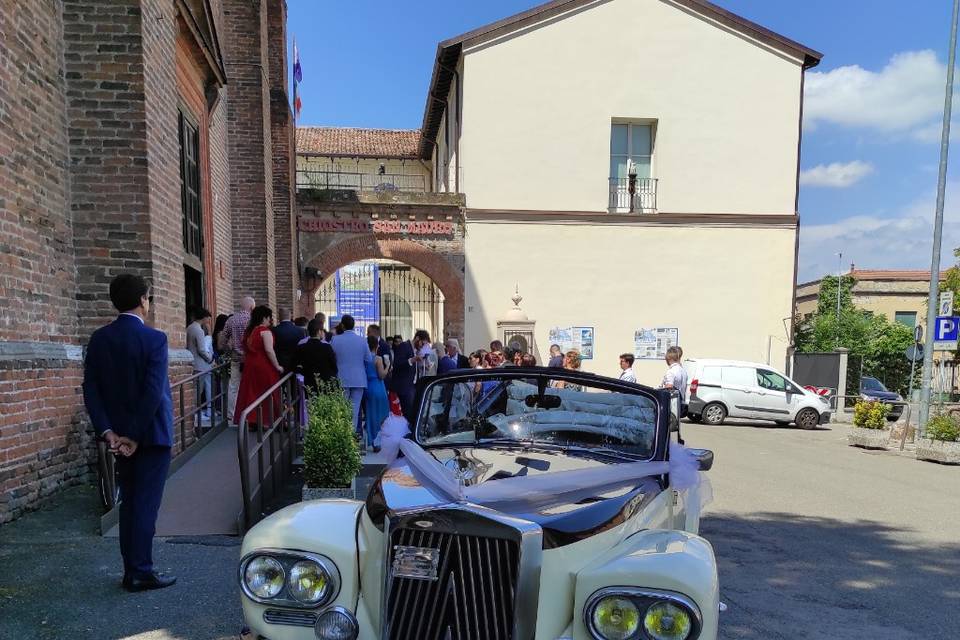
[[658, 560], [325, 527]]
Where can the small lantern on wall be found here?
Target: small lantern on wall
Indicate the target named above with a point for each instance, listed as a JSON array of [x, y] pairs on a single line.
[[516, 327]]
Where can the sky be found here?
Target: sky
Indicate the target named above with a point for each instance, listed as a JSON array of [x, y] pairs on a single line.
[[872, 110]]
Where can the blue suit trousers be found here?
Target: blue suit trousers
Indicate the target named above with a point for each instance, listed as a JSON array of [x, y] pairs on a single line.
[[141, 479]]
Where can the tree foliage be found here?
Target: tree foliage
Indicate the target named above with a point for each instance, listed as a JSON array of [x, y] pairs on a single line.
[[878, 341]]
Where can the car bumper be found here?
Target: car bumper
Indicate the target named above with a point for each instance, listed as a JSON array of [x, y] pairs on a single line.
[[825, 417], [696, 406]]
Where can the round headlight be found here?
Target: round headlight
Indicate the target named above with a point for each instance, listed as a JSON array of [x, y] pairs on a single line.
[[667, 621], [616, 618], [336, 624], [264, 577], [309, 582]]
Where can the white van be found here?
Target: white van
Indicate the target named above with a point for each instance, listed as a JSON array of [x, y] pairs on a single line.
[[721, 389]]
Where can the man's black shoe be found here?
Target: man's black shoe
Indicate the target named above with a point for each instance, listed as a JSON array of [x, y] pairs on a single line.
[[153, 581]]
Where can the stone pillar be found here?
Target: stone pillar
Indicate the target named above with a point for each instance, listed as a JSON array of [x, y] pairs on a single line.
[[842, 382], [246, 57], [282, 145]]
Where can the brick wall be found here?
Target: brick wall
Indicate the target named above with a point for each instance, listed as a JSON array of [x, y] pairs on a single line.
[[220, 186], [103, 54], [163, 168], [37, 276], [282, 147], [244, 35]]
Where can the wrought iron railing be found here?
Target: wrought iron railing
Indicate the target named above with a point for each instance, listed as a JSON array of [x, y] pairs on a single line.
[[637, 195], [270, 429], [309, 179], [200, 408]]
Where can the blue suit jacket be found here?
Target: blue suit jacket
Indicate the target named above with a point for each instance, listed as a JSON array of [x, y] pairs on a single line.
[[125, 384], [352, 354]]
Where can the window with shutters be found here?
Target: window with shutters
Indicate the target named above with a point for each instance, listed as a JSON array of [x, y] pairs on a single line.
[[190, 187]]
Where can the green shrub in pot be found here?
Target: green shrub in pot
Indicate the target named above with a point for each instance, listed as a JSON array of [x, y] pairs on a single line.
[[943, 428], [870, 415], [331, 456]]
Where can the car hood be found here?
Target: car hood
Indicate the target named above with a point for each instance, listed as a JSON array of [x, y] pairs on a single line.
[[397, 489], [882, 395]]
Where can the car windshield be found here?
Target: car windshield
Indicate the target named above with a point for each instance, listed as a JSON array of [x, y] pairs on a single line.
[[538, 410], [872, 384]]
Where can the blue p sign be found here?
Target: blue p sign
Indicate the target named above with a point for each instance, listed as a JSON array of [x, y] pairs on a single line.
[[946, 328]]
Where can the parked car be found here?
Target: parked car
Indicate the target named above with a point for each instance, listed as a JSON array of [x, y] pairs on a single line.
[[545, 560], [721, 389], [872, 389]]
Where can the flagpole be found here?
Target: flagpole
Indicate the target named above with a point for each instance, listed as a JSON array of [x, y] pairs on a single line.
[[293, 74]]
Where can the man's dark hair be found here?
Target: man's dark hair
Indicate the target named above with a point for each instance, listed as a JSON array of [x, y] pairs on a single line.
[[126, 290], [422, 334], [300, 321], [628, 357], [199, 313], [347, 322], [374, 328], [314, 327], [509, 353]]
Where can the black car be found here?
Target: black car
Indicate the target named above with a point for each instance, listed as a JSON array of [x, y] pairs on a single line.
[[873, 390]]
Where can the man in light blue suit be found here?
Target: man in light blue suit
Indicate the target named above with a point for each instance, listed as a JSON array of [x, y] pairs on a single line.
[[353, 354], [127, 394]]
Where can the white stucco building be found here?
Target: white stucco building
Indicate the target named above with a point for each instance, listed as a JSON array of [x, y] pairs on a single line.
[[630, 164]]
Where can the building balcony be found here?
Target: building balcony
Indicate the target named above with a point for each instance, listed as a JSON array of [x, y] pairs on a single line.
[[633, 195], [376, 182]]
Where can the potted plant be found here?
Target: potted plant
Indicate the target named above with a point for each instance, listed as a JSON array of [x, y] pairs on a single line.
[[869, 425], [331, 456], [942, 441]]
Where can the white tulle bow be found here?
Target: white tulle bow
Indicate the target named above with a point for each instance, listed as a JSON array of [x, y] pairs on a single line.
[[534, 492]]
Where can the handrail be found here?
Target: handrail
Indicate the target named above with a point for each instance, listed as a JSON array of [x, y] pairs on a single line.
[[217, 402], [276, 438]]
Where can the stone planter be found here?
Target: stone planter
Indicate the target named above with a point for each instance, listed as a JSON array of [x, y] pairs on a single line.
[[324, 493], [938, 451], [868, 438]]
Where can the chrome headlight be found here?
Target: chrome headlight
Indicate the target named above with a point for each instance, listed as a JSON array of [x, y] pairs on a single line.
[[625, 613], [289, 578]]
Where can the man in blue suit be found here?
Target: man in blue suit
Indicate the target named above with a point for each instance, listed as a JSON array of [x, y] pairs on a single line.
[[353, 354], [127, 393]]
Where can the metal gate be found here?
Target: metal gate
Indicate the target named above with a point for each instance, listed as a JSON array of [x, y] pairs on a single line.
[[406, 299]]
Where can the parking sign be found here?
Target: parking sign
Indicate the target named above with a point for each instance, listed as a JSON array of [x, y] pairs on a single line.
[[945, 332]]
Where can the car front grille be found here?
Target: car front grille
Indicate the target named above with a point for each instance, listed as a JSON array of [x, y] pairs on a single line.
[[473, 596], [293, 618]]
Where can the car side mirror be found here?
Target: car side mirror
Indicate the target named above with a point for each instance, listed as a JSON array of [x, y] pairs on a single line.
[[704, 458]]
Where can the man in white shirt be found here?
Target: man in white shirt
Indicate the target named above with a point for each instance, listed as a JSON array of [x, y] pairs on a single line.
[[197, 332], [626, 368], [676, 375]]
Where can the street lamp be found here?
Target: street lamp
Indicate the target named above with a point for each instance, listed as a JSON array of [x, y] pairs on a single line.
[[938, 225], [839, 281]]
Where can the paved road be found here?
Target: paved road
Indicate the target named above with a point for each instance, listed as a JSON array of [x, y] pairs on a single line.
[[815, 541], [60, 580], [820, 541]]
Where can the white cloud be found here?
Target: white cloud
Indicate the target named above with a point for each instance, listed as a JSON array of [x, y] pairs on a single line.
[[872, 242], [906, 96], [837, 174]]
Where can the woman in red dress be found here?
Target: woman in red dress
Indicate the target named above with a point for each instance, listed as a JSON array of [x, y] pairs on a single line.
[[261, 369]]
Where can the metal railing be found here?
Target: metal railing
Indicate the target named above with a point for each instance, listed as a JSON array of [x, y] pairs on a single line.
[[203, 412], [309, 179], [637, 195], [270, 428]]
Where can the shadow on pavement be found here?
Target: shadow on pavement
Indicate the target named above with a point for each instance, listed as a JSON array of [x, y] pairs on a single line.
[[794, 578]]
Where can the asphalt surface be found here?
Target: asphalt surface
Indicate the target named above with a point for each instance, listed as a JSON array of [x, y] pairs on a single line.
[[819, 540], [815, 541], [59, 579]]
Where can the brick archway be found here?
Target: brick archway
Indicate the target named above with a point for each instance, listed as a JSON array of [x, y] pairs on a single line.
[[447, 276]]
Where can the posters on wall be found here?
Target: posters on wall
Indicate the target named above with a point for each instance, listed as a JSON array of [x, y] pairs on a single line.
[[574, 338], [358, 294], [652, 344]]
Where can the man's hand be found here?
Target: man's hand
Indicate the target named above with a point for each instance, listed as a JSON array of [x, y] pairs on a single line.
[[127, 447], [113, 441]]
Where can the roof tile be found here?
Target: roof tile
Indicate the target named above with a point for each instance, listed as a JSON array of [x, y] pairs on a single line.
[[364, 143]]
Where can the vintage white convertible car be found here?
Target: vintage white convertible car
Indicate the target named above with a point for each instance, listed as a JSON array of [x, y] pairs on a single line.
[[527, 504]]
